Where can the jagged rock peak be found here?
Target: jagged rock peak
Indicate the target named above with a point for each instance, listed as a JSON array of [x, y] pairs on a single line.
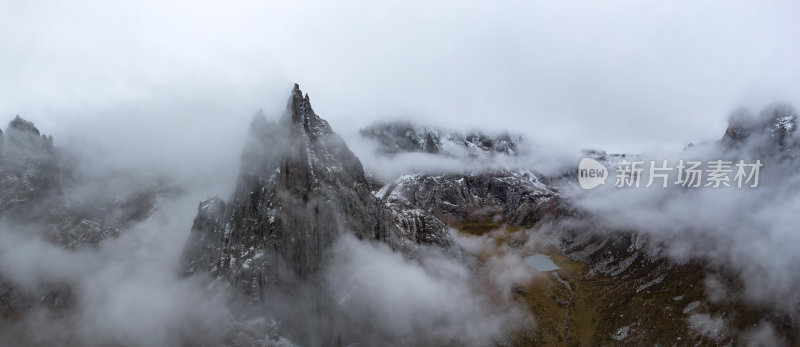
[[299, 188], [302, 117], [29, 172], [26, 136], [23, 125]]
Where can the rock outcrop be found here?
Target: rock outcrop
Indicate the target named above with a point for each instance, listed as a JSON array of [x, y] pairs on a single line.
[[469, 200], [299, 188], [402, 137], [29, 174], [772, 132]]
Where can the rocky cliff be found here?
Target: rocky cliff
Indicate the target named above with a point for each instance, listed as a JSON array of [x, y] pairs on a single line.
[[469, 200], [299, 188], [770, 132], [29, 174], [34, 202]]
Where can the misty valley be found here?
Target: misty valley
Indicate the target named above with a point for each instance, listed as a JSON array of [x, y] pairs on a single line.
[[404, 173], [312, 249]]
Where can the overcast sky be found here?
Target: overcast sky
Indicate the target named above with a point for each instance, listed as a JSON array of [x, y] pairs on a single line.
[[621, 75]]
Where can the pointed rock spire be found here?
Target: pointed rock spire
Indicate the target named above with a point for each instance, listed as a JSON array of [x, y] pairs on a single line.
[[299, 188], [302, 118]]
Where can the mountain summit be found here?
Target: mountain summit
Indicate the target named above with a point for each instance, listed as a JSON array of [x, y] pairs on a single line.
[[299, 188]]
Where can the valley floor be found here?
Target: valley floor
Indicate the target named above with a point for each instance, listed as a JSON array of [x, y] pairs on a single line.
[[651, 303]]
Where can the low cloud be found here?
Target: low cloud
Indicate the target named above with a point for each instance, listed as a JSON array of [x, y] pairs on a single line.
[[750, 232], [125, 291], [417, 301]]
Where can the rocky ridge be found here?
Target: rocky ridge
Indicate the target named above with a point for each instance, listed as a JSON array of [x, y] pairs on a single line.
[[33, 200], [403, 137]]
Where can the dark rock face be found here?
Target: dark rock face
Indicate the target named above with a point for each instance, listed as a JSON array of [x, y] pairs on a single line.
[[772, 132], [400, 137], [425, 204], [32, 200], [516, 198], [31, 192], [299, 188], [29, 174]]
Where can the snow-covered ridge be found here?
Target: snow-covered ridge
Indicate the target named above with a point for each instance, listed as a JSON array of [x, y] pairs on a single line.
[[403, 136], [501, 196]]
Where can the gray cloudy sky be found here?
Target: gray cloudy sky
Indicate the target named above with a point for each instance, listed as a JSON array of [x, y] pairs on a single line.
[[168, 88], [621, 75]]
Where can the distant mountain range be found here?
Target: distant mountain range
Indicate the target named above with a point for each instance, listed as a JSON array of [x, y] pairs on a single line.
[[300, 188]]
